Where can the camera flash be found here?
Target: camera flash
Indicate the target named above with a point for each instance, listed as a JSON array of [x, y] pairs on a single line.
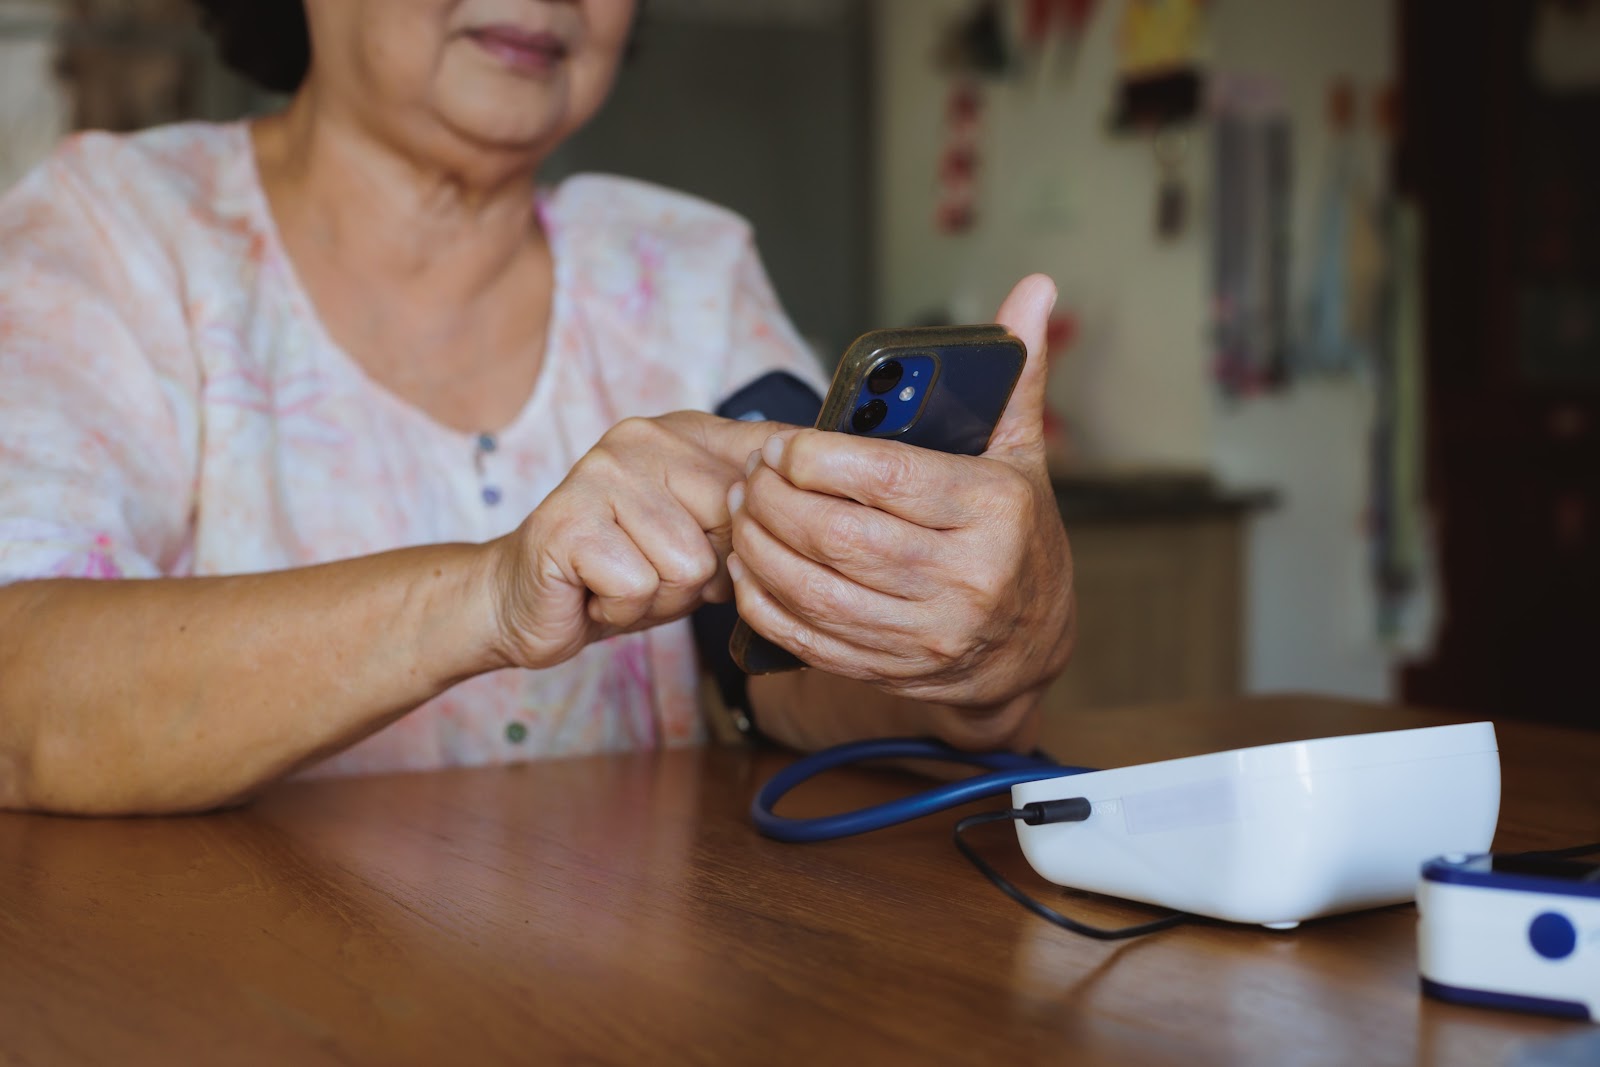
[[907, 393]]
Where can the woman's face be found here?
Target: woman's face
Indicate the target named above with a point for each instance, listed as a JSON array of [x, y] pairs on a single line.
[[506, 75]]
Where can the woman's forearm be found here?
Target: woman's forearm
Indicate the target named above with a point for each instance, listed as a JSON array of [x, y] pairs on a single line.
[[808, 710], [191, 693]]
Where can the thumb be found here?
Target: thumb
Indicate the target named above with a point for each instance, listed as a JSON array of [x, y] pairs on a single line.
[[1026, 313]]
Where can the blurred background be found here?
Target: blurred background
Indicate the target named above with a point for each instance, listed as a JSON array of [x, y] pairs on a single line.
[[1326, 363]]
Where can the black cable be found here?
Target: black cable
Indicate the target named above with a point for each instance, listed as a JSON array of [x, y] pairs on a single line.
[[1575, 852], [1563, 853], [1073, 810], [1592, 874]]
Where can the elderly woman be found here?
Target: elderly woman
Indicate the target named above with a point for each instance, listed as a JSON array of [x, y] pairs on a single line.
[[331, 441]]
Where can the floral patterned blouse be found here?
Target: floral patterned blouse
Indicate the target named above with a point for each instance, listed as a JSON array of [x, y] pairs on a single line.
[[170, 405]]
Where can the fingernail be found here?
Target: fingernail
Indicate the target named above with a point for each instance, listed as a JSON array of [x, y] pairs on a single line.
[[735, 497], [735, 568], [752, 463], [772, 451], [1046, 282]]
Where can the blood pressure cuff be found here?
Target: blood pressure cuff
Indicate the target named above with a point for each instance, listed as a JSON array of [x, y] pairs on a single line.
[[778, 397]]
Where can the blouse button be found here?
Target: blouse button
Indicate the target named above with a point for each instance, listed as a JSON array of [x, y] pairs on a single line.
[[516, 732], [491, 495]]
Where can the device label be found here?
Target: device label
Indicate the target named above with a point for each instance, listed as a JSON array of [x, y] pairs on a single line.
[[1182, 806]]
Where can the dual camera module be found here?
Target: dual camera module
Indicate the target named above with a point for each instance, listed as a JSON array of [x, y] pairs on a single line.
[[883, 379]]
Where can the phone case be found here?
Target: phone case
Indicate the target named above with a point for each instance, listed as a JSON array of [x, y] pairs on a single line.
[[975, 371]]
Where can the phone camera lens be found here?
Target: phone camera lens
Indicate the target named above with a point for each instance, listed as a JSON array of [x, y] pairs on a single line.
[[885, 376], [869, 415]]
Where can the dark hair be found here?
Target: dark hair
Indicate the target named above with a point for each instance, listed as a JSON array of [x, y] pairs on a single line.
[[267, 41]]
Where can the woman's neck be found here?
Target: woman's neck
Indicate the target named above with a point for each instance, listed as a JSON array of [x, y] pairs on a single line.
[[447, 225], [427, 268]]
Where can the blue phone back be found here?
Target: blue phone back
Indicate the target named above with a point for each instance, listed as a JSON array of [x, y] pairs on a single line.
[[969, 393]]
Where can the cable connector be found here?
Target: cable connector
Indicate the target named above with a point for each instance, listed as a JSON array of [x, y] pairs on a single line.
[[1045, 812]]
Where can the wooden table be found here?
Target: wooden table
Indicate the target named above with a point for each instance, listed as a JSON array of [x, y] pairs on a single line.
[[621, 911]]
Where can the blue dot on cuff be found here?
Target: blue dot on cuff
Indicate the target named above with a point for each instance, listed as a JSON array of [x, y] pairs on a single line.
[[1552, 935]]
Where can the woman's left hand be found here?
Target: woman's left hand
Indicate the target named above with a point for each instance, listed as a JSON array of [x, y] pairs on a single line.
[[936, 577]]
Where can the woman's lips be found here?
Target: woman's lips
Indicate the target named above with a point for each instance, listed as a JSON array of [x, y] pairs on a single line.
[[531, 53]]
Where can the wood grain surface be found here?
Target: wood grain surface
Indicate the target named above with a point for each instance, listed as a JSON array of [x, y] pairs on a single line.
[[620, 910]]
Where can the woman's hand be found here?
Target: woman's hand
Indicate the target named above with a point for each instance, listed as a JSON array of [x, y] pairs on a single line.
[[636, 535], [936, 577]]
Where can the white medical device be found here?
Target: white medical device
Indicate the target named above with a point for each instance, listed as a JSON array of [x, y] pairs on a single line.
[[1512, 931], [1276, 834]]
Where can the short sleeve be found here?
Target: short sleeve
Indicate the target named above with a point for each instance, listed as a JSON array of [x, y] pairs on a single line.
[[97, 410], [761, 337]]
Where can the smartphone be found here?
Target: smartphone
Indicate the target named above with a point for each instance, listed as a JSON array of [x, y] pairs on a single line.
[[939, 387]]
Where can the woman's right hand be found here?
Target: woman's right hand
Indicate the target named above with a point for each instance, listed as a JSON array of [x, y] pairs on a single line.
[[636, 535]]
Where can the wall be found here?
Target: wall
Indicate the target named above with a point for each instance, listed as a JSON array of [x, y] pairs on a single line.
[[1055, 194], [33, 105], [105, 64], [1060, 195], [1309, 588]]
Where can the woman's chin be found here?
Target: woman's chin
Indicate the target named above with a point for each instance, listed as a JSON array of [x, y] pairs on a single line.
[[520, 126], [501, 111]]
